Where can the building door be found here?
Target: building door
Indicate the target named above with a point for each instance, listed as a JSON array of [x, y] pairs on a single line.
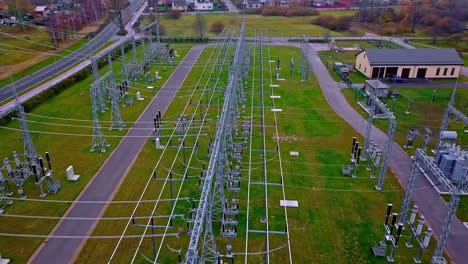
[[378, 72], [391, 71], [421, 73], [375, 72], [405, 73]]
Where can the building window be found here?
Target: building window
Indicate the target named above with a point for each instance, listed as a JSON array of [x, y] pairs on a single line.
[[452, 72], [437, 71], [364, 55], [365, 69], [445, 71], [359, 65]]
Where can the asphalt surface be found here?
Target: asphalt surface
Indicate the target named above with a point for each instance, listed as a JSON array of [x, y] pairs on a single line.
[[429, 201], [61, 250], [230, 6], [43, 74]]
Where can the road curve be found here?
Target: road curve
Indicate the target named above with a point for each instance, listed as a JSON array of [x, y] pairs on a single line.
[[429, 201]]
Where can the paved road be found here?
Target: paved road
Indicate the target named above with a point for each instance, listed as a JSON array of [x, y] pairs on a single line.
[[423, 83], [230, 6], [39, 76], [429, 201], [107, 179]]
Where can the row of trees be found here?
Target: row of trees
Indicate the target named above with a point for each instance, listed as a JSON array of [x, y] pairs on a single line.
[[64, 25], [437, 17]]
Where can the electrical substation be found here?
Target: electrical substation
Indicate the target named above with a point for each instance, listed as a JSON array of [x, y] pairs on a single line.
[[230, 152]]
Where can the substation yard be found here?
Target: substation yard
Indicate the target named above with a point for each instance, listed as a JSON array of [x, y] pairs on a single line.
[[338, 218], [68, 112], [423, 113]]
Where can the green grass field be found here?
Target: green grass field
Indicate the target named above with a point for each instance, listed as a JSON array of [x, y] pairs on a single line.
[[276, 26], [71, 103], [338, 218], [423, 113], [41, 64]]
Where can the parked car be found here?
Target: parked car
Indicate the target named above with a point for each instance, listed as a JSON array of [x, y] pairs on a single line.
[[398, 79]]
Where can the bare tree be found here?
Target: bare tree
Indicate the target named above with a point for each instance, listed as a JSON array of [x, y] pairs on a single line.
[[117, 8], [199, 25]]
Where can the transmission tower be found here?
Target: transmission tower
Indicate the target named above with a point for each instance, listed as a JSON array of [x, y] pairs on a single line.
[[304, 66], [29, 149], [99, 141], [216, 168], [116, 116], [449, 111]]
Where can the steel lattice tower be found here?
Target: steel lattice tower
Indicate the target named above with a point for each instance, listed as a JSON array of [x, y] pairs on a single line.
[[99, 141], [116, 116], [29, 149], [204, 213]]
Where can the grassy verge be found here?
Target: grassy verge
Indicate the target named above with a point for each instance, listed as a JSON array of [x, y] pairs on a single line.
[[72, 103], [461, 78], [276, 26], [44, 63], [335, 214], [423, 113]]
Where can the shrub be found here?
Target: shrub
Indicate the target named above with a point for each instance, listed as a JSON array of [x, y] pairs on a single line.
[[174, 14], [217, 27], [333, 23], [287, 11]]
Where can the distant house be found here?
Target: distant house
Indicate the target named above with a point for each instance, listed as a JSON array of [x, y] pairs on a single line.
[[203, 5], [42, 10], [255, 3], [62, 4], [409, 63], [319, 3], [179, 5]]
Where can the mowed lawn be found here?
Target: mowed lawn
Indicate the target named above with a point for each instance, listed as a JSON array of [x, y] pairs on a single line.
[[274, 25], [423, 114], [338, 218], [71, 103]]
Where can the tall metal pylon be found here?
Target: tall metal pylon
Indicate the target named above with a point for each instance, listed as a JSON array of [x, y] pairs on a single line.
[[94, 67], [304, 66], [204, 211], [99, 141], [449, 111], [116, 116], [29, 148]]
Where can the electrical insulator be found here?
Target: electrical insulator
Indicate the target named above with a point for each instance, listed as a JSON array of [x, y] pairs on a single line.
[[414, 212], [420, 225], [427, 238]]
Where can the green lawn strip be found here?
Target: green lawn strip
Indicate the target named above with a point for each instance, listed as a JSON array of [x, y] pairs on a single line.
[[46, 62], [461, 78], [276, 26], [341, 214], [423, 114], [32, 38], [73, 103]]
